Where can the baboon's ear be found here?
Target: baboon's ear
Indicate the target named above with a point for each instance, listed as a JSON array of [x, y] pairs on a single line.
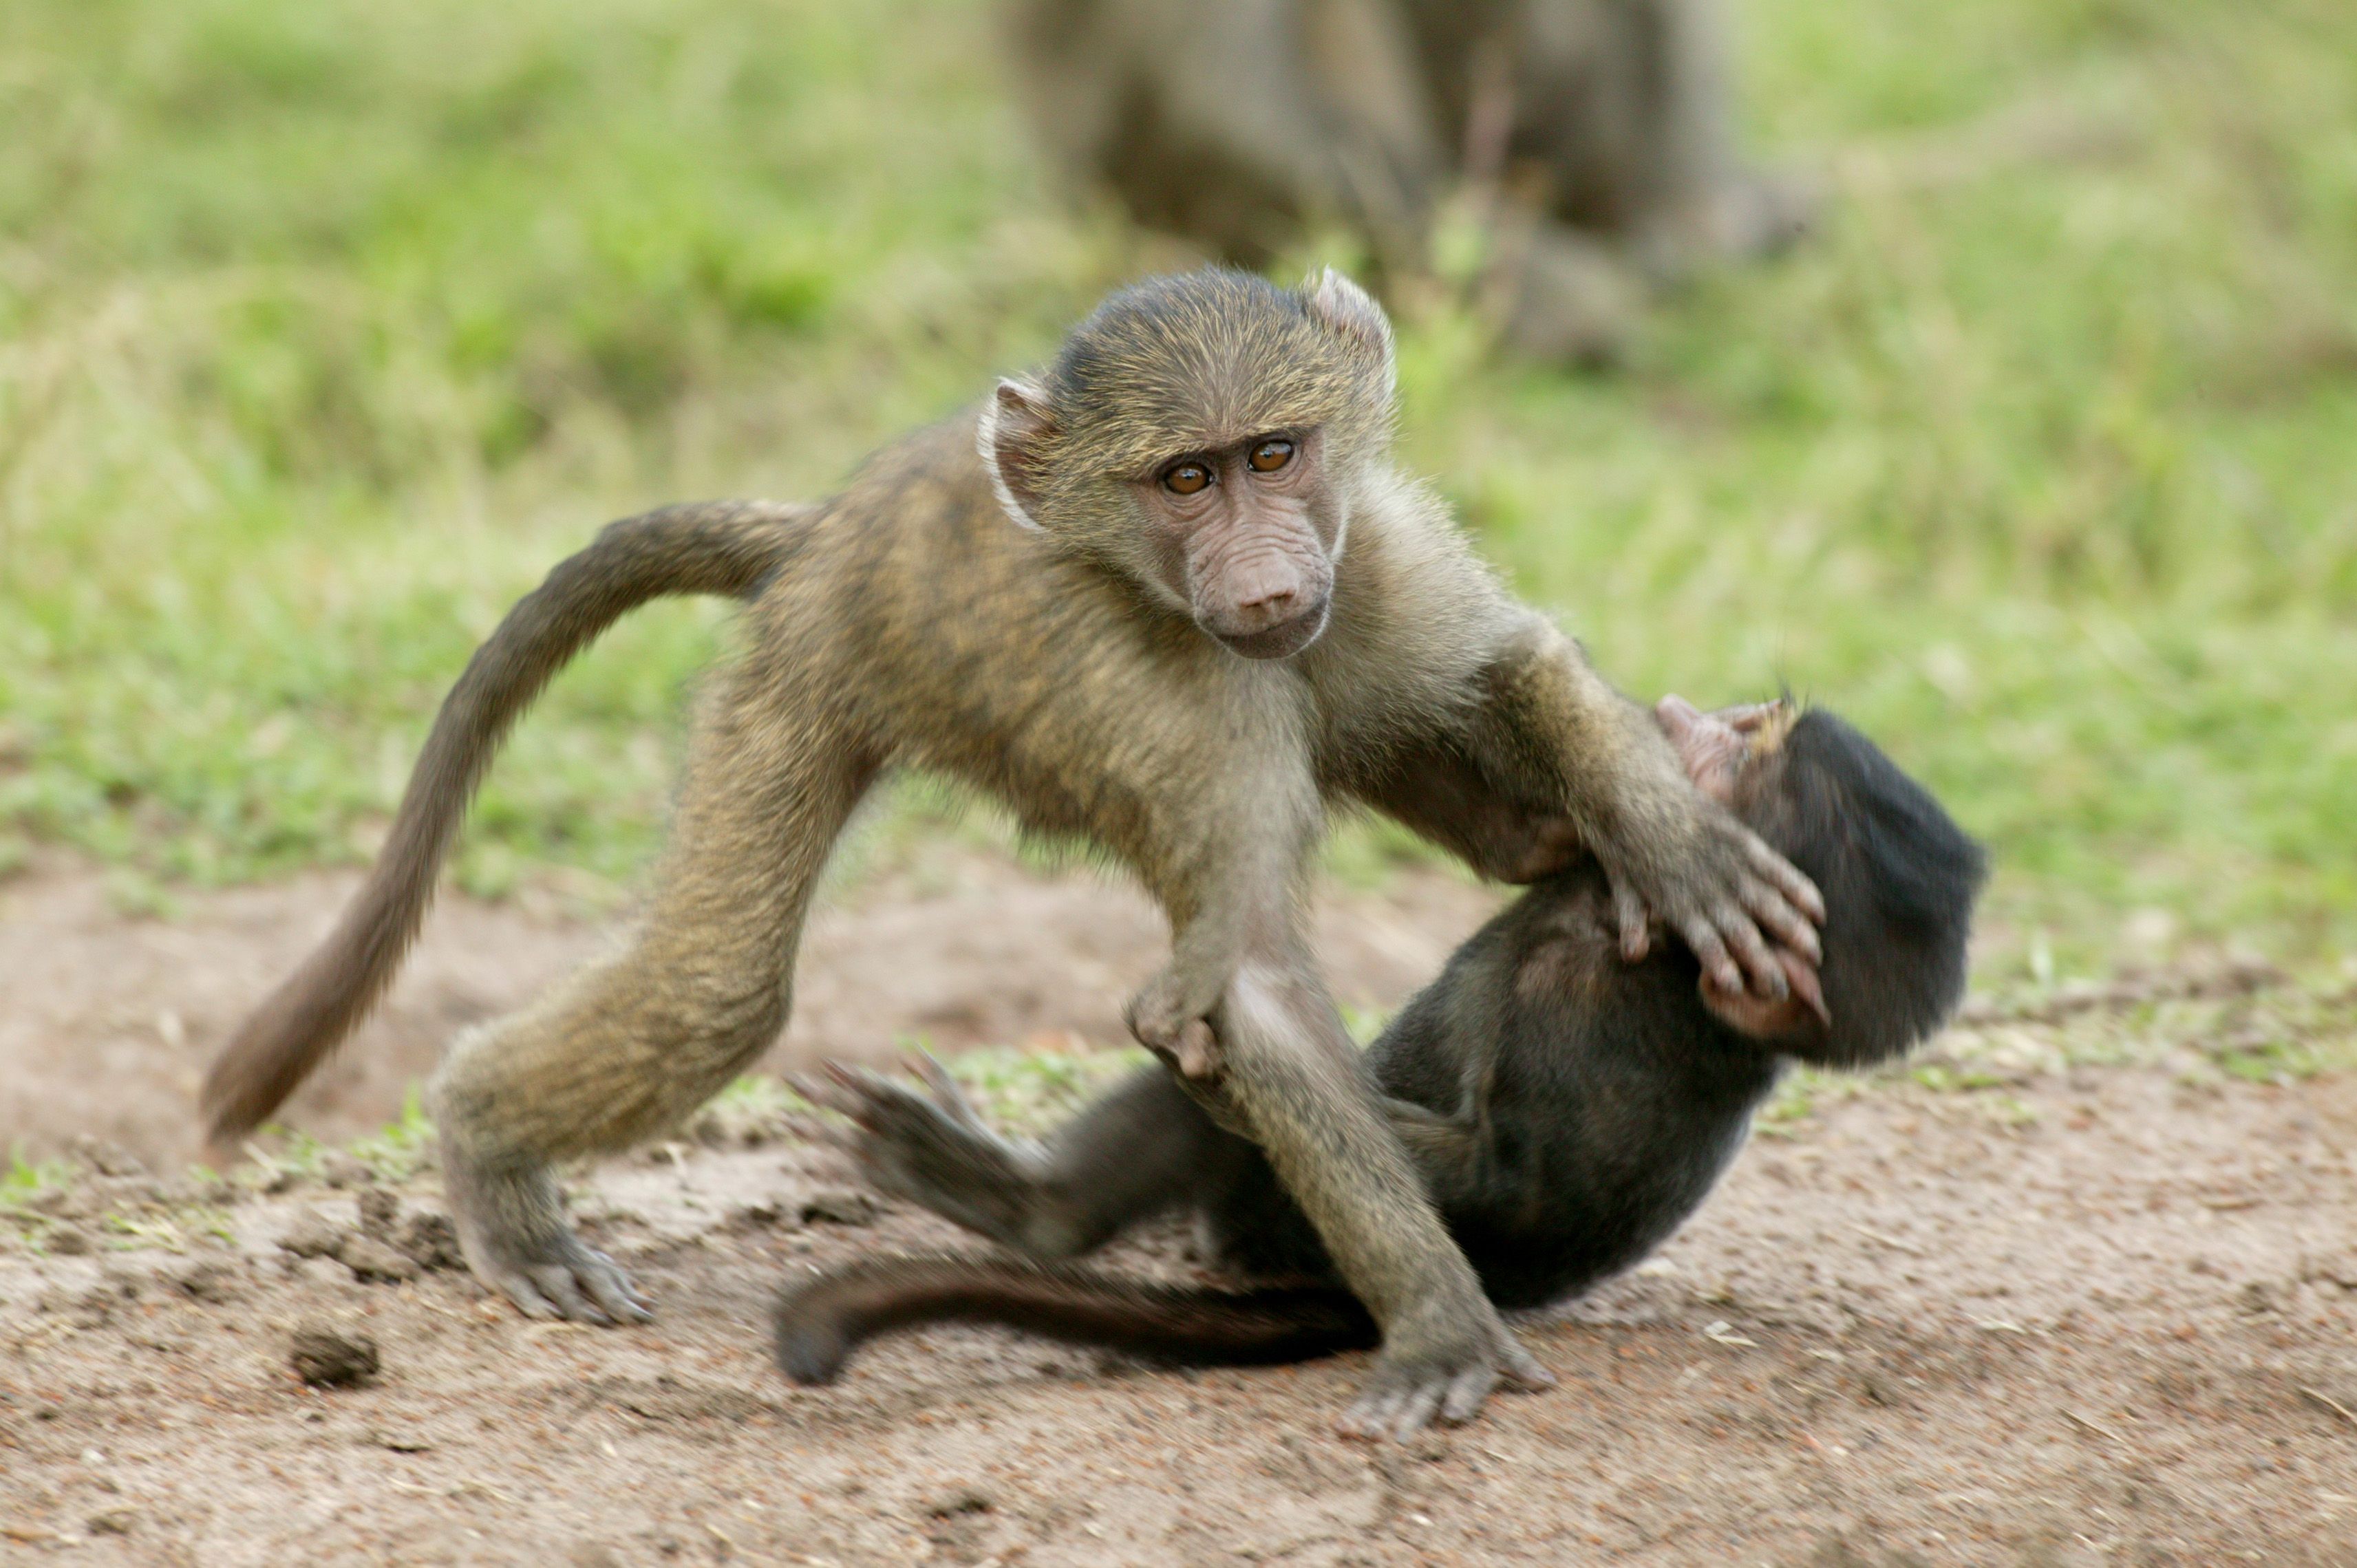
[[1350, 312], [1016, 429]]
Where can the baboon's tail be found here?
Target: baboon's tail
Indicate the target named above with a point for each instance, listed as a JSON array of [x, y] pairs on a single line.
[[716, 547], [820, 1323]]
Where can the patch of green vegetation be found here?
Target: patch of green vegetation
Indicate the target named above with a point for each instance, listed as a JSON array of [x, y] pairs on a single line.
[[758, 1096], [278, 1150], [2276, 1062], [1943, 1078], [326, 328], [1794, 1100], [1027, 1093], [394, 1153], [397, 1150], [143, 1232], [21, 1180]]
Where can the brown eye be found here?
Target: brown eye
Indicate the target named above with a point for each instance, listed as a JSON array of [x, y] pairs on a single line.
[[1185, 479], [1270, 455]]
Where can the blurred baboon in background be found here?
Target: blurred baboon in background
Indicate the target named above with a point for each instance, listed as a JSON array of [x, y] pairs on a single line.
[[1592, 137]]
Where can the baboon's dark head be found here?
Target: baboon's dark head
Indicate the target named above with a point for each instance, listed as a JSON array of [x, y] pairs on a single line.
[[1208, 437], [1897, 874]]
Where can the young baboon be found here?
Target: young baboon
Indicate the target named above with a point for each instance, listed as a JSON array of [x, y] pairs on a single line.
[[1120, 600], [1565, 1110], [1602, 126]]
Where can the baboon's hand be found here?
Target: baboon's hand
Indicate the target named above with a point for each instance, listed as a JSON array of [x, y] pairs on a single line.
[[1414, 1386], [929, 1148], [1696, 869], [511, 1226], [1171, 1017]]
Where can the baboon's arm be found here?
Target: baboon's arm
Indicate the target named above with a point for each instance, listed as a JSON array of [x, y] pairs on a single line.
[[1551, 731]]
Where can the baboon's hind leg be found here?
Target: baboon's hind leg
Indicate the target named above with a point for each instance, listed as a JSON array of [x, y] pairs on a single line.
[[631, 1044], [1140, 1149]]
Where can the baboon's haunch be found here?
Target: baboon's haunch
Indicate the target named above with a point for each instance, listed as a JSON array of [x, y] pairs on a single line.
[[1565, 1109], [1173, 597]]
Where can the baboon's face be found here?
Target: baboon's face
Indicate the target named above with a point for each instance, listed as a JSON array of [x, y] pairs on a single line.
[[1205, 437], [1245, 535]]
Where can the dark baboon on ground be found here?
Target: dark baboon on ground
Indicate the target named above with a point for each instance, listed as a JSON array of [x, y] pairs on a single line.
[[1173, 597], [1599, 129], [1566, 1111]]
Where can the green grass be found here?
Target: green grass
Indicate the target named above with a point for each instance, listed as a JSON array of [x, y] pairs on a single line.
[[325, 328]]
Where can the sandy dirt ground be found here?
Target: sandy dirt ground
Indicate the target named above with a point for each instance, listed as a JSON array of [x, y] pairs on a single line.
[[106, 1024], [2066, 1294]]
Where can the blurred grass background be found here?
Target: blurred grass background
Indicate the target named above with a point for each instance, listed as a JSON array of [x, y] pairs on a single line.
[[325, 328]]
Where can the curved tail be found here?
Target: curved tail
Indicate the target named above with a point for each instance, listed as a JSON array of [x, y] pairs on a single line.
[[821, 1324], [718, 547]]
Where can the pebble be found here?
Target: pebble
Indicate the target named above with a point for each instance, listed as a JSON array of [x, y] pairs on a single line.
[[839, 1206], [343, 1170], [380, 1208], [314, 1235], [431, 1241], [328, 1357], [369, 1259], [69, 1241]]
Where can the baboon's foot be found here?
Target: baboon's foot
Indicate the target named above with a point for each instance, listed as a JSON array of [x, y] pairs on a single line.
[[930, 1147], [511, 1225], [1415, 1384]]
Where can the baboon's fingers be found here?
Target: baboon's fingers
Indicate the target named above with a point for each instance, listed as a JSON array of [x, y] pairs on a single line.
[[856, 1093], [1371, 1414], [1416, 1410], [1782, 921], [1466, 1391], [821, 1096], [928, 1069], [555, 1283], [520, 1285], [944, 1090], [1807, 987], [1525, 1373], [1710, 950], [1636, 923], [858, 1080], [1751, 951], [1749, 716], [852, 1103], [611, 1289], [1401, 1405], [809, 1129], [1785, 877]]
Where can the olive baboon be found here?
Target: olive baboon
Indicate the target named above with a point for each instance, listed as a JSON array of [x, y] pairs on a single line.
[[1598, 131], [1565, 1110], [1118, 599]]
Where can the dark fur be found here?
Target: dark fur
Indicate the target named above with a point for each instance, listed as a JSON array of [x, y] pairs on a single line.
[[1568, 1109]]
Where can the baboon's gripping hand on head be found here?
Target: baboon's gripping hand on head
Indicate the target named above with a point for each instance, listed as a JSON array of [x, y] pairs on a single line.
[[1565, 1109], [1171, 596]]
